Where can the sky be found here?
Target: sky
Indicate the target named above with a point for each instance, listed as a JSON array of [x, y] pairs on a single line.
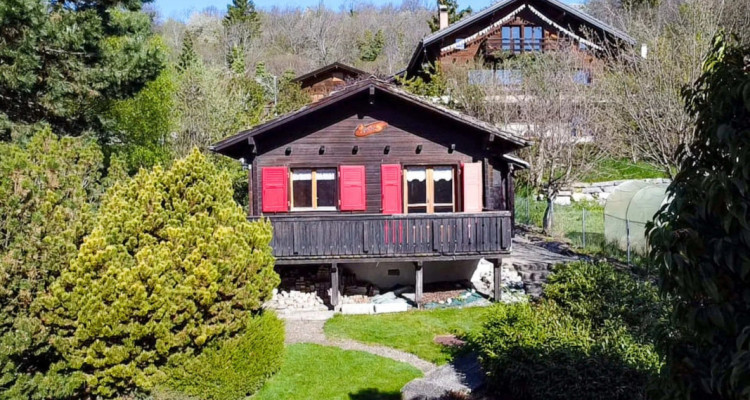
[[181, 9]]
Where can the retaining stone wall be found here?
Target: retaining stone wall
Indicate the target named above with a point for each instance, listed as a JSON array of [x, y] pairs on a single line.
[[596, 191]]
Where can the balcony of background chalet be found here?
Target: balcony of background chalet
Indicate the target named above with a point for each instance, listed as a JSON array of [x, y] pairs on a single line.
[[304, 239]]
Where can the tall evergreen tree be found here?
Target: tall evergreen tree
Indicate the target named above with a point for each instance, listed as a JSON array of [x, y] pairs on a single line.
[[62, 61], [701, 240], [188, 57], [453, 14], [242, 12]]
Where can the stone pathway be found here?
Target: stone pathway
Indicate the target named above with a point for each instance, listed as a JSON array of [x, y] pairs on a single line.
[[306, 331]]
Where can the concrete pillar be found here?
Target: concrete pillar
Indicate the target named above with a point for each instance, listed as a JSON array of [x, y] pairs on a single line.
[[334, 284], [497, 276], [418, 282]]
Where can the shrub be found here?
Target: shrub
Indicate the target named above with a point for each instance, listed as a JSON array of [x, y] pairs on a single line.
[[48, 189], [701, 240], [233, 368], [171, 265], [541, 352], [599, 293]]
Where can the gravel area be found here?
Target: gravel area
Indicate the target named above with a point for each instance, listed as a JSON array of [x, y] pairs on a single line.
[[302, 331]]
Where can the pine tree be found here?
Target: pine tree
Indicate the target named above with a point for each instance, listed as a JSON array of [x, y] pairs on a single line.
[[64, 61], [188, 57], [242, 12]]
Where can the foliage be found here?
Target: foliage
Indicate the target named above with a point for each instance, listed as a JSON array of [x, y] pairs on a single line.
[[412, 332], [541, 352], [433, 84], [62, 62], [700, 240], [143, 123], [610, 169], [188, 57], [311, 371], [371, 45], [48, 189], [171, 265], [453, 14], [291, 95], [232, 368], [601, 294], [242, 12]]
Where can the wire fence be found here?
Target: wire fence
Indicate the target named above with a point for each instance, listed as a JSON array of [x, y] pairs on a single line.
[[582, 223]]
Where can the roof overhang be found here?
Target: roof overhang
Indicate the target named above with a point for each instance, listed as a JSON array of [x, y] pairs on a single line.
[[230, 146]]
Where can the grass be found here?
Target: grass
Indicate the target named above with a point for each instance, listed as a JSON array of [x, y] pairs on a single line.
[[412, 331], [312, 371], [609, 169]]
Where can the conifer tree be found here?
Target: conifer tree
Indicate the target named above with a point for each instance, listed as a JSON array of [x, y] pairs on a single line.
[[188, 57], [242, 12]]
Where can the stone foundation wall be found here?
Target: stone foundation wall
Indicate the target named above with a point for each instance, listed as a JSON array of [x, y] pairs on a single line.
[[596, 191]]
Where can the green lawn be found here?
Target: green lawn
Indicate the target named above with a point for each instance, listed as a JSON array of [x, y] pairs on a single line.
[[610, 169], [568, 221], [312, 371], [412, 331]]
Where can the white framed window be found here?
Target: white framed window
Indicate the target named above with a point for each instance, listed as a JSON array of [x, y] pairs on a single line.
[[313, 189], [429, 189]]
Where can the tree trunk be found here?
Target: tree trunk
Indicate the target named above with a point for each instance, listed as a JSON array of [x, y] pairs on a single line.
[[549, 215]]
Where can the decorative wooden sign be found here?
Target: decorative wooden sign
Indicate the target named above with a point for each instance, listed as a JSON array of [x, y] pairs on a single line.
[[370, 129]]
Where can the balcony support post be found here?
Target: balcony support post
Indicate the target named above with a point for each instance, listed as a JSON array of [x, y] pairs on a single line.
[[497, 276], [334, 285], [418, 284]]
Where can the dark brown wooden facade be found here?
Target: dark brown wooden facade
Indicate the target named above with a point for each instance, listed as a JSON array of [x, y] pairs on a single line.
[[323, 81], [511, 27], [418, 135]]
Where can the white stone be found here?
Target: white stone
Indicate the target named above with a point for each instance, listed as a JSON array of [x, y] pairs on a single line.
[[356, 309], [562, 200], [390, 308], [565, 193], [582, 197], [275, 291], [609, 189]]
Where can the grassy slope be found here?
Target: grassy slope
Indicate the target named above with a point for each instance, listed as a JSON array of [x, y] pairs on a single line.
[[327, 373], [609, 169], [412, 332]]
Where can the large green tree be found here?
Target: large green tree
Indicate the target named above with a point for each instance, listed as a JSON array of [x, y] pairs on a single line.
[[62, 61], [701, 241]]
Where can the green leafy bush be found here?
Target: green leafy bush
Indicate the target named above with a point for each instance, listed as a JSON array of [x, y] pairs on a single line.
[[171, 265], [232, 368], [541, 352], [701, 240], [599, 293], [48, 189]]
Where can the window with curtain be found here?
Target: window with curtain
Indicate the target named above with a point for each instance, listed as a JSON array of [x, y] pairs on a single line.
[[313, 189], [429, 189]]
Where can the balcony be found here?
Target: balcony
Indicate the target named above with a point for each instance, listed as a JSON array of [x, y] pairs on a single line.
[[381, 238]]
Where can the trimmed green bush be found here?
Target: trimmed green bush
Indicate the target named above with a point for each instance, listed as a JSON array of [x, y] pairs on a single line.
[[48, 189], [600, 293], [233, 368], [541, 352], [171, 265]]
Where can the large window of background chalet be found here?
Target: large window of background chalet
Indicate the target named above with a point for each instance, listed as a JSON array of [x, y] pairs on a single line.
[[429, 189], [313, 189]]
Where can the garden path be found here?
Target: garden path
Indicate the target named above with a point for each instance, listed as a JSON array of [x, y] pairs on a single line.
[[311, 331]]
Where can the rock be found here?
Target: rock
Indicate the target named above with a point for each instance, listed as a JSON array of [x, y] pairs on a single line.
[[582, 197], [356, 309], [562, 200], [390, 307]]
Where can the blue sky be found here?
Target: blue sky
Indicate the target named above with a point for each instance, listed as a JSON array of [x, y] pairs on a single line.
[[182, 8]]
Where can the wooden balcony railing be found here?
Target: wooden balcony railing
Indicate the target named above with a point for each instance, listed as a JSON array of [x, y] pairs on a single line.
[[413, 237]]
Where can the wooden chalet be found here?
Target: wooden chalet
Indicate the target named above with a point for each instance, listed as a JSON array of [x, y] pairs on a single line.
[[511, 27], [373, 174], [321, 82]]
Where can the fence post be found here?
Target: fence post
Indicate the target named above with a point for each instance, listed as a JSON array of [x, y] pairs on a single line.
[[583, 227], [627, 235], [528, 215]]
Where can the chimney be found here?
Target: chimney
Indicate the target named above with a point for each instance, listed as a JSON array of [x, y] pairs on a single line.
[[443, 16]]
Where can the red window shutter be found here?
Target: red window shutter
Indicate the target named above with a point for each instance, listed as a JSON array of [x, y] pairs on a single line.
[[472, 187], [275, 191], [390, 189], [352, 188]]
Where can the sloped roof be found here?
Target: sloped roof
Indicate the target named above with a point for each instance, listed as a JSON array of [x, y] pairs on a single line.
[[337, 66], [226, 146], [489, 11]]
